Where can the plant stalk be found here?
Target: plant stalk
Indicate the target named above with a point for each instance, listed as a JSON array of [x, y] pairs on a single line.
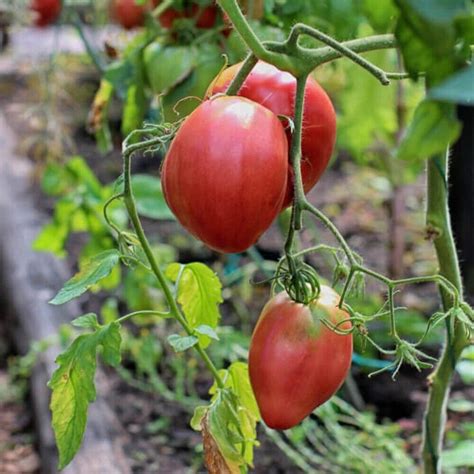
[[439, 226], [132, 211]]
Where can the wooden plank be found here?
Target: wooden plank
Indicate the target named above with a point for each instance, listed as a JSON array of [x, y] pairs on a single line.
[[28, 280]]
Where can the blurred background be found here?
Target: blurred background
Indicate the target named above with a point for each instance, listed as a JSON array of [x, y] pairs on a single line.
[[78, 76]]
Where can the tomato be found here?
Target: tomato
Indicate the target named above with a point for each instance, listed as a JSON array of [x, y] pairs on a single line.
[[276, 90], [47, 11], [224, 176], [295, 362], [205, 16], [128, 13]]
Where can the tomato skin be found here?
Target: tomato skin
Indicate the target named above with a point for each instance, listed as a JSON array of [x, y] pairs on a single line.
[[276, 90], [295, 362], [224, 176], [47, 10], [128, 14]]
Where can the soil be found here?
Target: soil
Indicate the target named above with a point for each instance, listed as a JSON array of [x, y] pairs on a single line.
[[160, 439], [18, 453]]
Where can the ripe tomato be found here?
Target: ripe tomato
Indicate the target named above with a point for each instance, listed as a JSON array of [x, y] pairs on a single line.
[[128, 14], [276, 90], [224, 176], [205, 16], [295, 362], [47, 11]]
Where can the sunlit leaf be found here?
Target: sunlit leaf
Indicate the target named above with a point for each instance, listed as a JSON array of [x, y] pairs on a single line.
[[97, 268], [72, 386], [199, 294], [182, 343]]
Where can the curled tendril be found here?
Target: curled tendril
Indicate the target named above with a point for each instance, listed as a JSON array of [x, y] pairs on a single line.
[[301, 284]]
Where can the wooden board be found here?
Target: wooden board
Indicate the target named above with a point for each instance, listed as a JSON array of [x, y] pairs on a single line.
[[28, 280]]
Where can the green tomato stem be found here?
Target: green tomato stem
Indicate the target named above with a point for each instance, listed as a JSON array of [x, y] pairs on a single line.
[[240, 77], [161, 8], [439, 225], [315, 59], [132, 211]]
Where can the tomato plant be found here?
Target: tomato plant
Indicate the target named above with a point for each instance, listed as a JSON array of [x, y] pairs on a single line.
[[128, 13], [296, 363], [47, 11], [276, 90], [224, 176]]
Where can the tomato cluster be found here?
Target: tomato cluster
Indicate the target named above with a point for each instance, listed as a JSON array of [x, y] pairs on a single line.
[[296, 363], [223, 174], [131, 15]]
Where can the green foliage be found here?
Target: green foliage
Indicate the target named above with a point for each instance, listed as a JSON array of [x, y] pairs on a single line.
[[97, 268], [168, 66], [78, 209], [231, 417], [149, 198], [462, 455], [433, 41], [182, 343], [465, 366], [434, 126], [458, 88], [199, 294], [73, 388]]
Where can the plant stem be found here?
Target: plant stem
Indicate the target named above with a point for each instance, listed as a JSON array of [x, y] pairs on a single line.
[[96, 59], [240, 77], [132, 211], [439, 225], [301, 29], [161, 8]]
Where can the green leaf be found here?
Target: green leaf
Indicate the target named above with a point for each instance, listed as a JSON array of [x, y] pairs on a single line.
[[182, 343], [97, 268], [380, 13], [194, 87], [441, 12], [111, 341], [199, 294], [167, 66], [208, 331], [52, 182], [433, 128], [236, 378], [357, 132], [149, 197], [199, 414], [461, 455], [429, 37], [119, 74], [136, 102], [458, 88], [78, 168], [72, 386], [461, 405], [52, 238], [88, 320]]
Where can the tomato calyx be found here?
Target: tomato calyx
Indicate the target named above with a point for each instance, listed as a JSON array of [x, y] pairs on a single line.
[[300, 281]]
